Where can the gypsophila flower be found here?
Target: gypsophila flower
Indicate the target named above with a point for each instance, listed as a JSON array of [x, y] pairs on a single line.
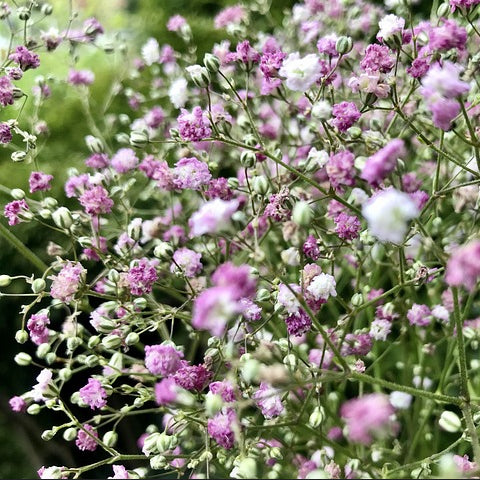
[[166, 391], [124, 160], [298, 323], [5, 133], [141, 276], [81, 77], [230, 15], [6, 91], [162, 359], [151, 51], [463, 267], [38, 327], [346, 114], [119, 472], [220, 427], [212, 217], [192, 377], [13, 210], [25, 58], [268, 400], [322, 287], [176, 23], [186, 261], [419, 315], [300, 72], [39, 182], [383, 162], [347, 227], [380, 328], [193, 126], [96, 201], [190, 173], [390, 25], [67, 282], [86, 441], [93, 394]]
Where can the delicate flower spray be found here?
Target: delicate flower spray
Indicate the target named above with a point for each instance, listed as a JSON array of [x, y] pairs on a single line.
[[268, 264]]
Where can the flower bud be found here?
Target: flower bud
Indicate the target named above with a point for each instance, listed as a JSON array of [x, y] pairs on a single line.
[[17, 194], [249, 369], [23, 13], [302, 214], [23, 359], [91, 361], [110, 438], [116, 362], [65, 374], [47, 9], [106, 325], [62, 218], [70, 434], [248, 159], [5, 280], [138, 138], [38, 285], [244, 468], [111, 342], [73, 343], [158, 462], [344, 45], [165, 442], [199, 75], [42, 350], [163, 250], [93, 341], [357, 299], [276, 453], [260, 185], [211, 62], [45, 213], [18, 156], [213, 404], [290, 256], [317, 417], [94, 144], [50, 358], [21, 336], [443, 10], [132, 338], [48, 435], [18, 93], [140, 303], [233, 183], [263, 295], [450, 421], [322, 110], [290, 361], [34, 409], [123, 138]]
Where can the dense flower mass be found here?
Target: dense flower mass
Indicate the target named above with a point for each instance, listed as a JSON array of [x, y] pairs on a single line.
[[264, 258]]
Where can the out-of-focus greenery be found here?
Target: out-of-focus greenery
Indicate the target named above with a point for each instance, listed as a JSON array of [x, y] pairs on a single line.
[[22, 451]]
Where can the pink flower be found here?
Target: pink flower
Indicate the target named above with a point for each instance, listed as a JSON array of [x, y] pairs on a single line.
[[119, 472], [6, 91], [39, 181], [268, 400], [230, 15], [298, 323], [176, 23], [463, 267], [67, 282], [187, 262], [14, 209], [366, 416], [81, 77], [25, 58], [347, 226], [225, 389], [464, 464], [38, 327], [238, 279], [340, 169], [212, 216], [162, 359], [192, 377], [93, 394], [86, 441], [220, 427], [377, 59], [191, 173], [96, 201], [17, 404], [142, 276], [166, 391], [5, 133], [383, 162], [346, 114], [193, 126], [124, 160]]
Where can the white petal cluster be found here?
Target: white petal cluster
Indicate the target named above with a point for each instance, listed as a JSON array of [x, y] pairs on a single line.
[[300, 72], [322, 287]]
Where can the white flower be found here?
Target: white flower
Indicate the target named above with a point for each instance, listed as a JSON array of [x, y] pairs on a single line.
[[389, 26], [400, 400], [151, 51], [322, 110], [387, 214], [320, 157], [301, 72], [322, 287], [287, 299], [178, 92], [44, 380], [440, 312], [291, 256]]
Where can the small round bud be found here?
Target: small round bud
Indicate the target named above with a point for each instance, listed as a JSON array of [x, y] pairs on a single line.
[[211, 62], [111, 341], [123, 138], [132, 338], [50, 358], [140, 303], [91, 361], [317, 417], [158, 462], [42, 350], [450, 421], [302, 214], [357, 299], [65, 374], [47, 9], [48, 435], [139, 138], [233, 183], [18, 156], [110, 438], [23, 359], [260, 185], [18, 93], [213, 404], [38, 285], [17, 193], [62, 218], [163, 250], [248, 159], [70, 434], [21, 336], [5, 280], [344, 45], [94, 144], [23, 13], [290, 361], [73, 343], [443, 10], [263, 295], [93, 341], [199, 75], [34, 409], [355, 132]]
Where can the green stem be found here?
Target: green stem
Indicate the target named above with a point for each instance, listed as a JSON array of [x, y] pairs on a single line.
[[24, 251]]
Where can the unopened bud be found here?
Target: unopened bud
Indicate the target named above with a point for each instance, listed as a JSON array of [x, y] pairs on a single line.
[[94, 144], [302, 214], [450, 421], [48, 435], [213, 404], [260, 185], [17, 194], [112, 341], [317, 417], [211, 62], [47, 9], [23, 13], [18, 156], [163, 250], [199, 75], [344, 45], [132, 338], [21, 336], [139, 138], [70, 434], [34, 409], [110, 438], [38, 285], [23, 359], [248, 159], [5, 280], [62, 218], [65, 374], [357, 299]]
